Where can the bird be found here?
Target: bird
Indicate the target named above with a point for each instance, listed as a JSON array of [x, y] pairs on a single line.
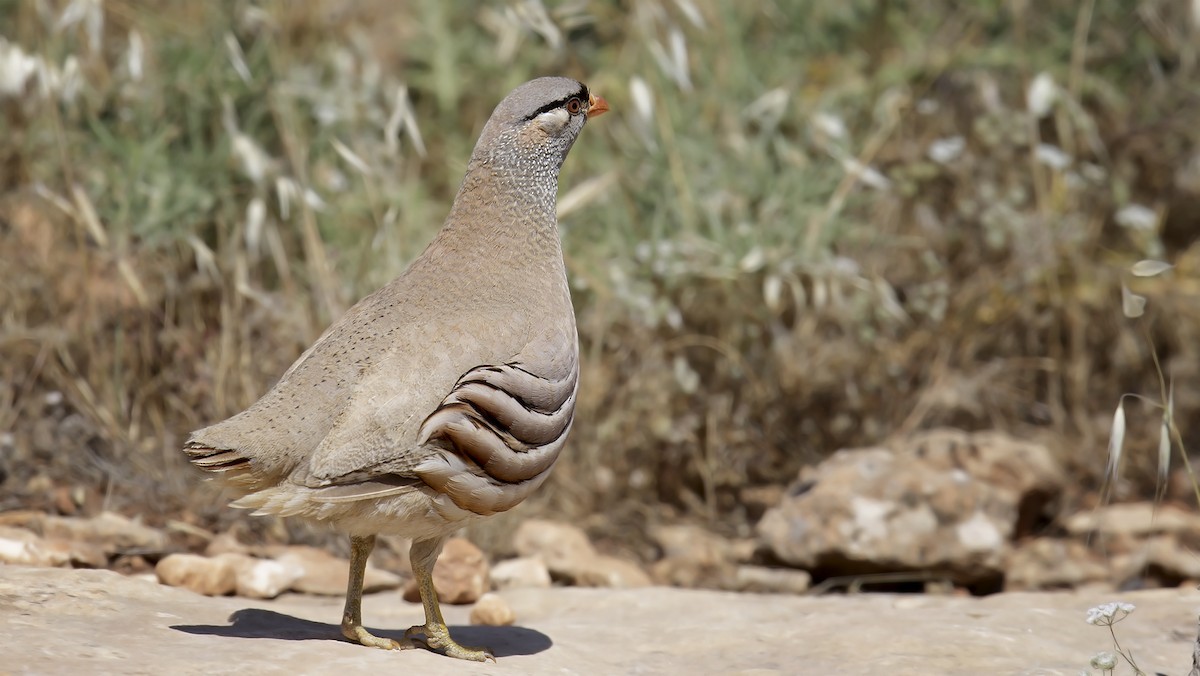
[[447, 395]]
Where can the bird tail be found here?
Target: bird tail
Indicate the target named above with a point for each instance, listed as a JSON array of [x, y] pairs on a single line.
[[234, 468]]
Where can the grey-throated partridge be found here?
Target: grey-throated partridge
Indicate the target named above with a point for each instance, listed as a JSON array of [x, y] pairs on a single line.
[[446, 395]]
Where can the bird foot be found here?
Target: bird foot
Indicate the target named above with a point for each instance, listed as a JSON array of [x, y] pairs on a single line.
[[359, 634], [437, 637]]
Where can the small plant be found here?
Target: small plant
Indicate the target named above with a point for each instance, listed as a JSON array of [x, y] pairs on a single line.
[[1133, 306], [1106, 616]]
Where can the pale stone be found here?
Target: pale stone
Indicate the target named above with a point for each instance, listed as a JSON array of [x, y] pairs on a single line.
[[112, 531], [943, 501], [325, 574], [493, 611], [695, 557], [520, 572], [263, 578], [698, 545], [570, 556], [562, 546], [77, 553], [1134, 520], [1159, 561], [225, 543], [24, 548], [1053, 563], [609, 571], [764, 580], [209, 576]]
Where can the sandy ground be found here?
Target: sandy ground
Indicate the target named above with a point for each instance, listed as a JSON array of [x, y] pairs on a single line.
[[56, 621]]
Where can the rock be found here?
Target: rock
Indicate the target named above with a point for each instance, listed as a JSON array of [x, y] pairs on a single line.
[[225, 543], [460, 576], [78, 554], [1159, 561], [756, 500], [1026, 472], [325, 574], [103, 623], [215, 576], [695, 557], [491, 610], [68, 500], [1001, 459], [1135, 520], [262, 578], [132, 564], [116, 534], [24, 547], [1053, 563], [696, 544], [764, 580], [687, 574], [520, 572], [945, 501], [570, 556], [609, 571], [561, 546], [27, 519]]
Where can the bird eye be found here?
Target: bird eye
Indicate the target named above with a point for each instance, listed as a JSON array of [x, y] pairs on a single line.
[[574, 106]]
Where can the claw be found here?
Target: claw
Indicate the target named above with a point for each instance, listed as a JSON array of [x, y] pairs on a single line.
[[438, 638], [359, 634]]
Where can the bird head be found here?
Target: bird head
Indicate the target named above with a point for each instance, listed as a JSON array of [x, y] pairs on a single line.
[[537, 123]]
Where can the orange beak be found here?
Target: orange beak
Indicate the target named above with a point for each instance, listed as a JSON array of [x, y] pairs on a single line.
[[596, 105]]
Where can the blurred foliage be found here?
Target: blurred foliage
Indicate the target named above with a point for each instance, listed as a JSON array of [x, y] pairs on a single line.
[[805, 226]]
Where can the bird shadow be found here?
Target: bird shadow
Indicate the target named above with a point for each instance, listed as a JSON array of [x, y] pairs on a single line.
[[259, 623]]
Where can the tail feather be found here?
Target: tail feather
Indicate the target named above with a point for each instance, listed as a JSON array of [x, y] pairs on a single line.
[[219, 461], [265, 494], [273, 501], [286, 501], [233, 467]]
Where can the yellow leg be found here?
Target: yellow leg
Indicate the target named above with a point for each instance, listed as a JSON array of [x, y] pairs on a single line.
[[424, 555], [352, 626]]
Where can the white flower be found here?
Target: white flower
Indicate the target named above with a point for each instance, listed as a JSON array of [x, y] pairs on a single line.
[[1041, 95], [1052, 156], [15, 68], [643, 100], [753, 260], [768, 109], [135, 57], [830, 125], [88, 12], [255, 163], [313, 200], [1136, 217], [1109, 613], [869, 176], [70, 80], [946, 150], [1104, 661]]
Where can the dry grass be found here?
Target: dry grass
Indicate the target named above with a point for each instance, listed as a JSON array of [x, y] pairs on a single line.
[[804, 228]]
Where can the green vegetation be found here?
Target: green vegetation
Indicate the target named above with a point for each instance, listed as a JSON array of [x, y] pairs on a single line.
[[805, 226]]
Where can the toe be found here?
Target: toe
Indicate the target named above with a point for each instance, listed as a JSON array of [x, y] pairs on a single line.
[[438, 638], [468, 653], [362, 636]]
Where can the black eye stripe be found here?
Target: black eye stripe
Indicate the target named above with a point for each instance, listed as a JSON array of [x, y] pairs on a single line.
[[582, 95]]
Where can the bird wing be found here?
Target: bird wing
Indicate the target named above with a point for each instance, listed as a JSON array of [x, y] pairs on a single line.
[[474, 421]]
